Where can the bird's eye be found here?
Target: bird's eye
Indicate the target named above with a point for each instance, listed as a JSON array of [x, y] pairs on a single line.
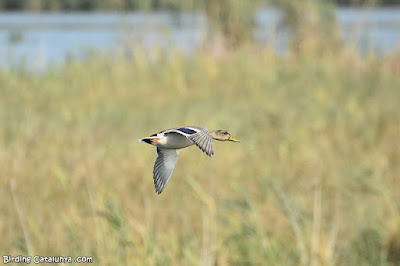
[[225, 133]]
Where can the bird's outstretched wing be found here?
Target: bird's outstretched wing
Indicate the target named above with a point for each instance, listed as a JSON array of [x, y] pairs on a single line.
[[199, 135], [163, 167], [203, 140]]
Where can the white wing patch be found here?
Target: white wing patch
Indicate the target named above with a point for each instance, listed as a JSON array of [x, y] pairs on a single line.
[[185, 131]]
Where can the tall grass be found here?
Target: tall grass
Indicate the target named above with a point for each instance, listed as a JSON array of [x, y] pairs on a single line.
[[314, 180]]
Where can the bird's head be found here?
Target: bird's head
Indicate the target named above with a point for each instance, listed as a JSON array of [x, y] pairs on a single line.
[[222, 135]]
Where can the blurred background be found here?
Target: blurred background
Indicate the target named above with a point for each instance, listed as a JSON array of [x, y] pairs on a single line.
[[311, 88]]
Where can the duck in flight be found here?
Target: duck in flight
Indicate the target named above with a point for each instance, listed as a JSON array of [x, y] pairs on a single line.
[[169, 142]]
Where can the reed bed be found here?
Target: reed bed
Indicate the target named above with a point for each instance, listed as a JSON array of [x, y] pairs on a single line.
[[315, 179]]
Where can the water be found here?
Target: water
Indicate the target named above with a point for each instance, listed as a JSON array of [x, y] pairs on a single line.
[[39, 40]]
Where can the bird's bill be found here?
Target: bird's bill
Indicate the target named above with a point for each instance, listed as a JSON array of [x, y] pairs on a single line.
[[233, 139]]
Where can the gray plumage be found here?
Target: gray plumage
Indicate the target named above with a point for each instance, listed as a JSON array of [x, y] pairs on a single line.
[[163, 167], [203, 140], [170, 141]]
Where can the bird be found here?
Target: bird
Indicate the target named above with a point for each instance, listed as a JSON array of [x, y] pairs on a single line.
[[168, 143]]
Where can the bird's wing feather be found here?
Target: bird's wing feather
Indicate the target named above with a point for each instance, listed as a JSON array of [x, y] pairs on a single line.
[[203, 140], [163, 167]]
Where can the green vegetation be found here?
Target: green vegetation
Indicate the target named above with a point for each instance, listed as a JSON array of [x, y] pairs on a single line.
[[314, 180]]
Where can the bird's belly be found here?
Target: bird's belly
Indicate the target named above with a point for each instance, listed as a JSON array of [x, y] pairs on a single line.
[[176, 141]]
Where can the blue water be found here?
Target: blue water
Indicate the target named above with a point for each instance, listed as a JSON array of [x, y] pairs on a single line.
[[39, 40]]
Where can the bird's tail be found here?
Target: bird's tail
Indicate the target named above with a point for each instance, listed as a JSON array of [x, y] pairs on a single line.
[[149, 140]]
